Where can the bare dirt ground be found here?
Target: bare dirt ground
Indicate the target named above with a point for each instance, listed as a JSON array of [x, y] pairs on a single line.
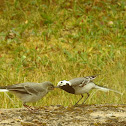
[[82, 115]]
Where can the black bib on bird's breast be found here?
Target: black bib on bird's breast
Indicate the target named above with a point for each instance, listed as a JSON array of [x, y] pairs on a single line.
[[68, 88]]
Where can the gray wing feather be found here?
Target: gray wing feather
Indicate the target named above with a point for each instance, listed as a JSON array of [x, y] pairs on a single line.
[[30, 90], [77, 81], [28, 87], [81, 81]]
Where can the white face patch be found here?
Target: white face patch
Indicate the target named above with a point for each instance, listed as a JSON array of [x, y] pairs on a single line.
[[64, 82]]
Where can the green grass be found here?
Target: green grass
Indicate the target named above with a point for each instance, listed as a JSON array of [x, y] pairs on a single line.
[[59, 40]]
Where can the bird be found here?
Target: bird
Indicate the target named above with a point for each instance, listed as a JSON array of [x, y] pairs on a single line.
[[81, 85], [29, 92]]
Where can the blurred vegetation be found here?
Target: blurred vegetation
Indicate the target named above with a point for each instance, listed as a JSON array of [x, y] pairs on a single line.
[[57, 40]]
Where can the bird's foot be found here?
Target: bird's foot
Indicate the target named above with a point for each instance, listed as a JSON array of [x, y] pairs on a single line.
[[79, 105]]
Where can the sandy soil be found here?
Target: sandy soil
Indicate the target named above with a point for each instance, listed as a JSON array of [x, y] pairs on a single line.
[[82, 115]]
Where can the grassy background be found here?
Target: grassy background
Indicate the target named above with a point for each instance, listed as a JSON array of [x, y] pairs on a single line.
[[57, 40]]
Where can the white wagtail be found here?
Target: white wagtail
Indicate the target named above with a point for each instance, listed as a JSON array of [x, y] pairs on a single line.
[[29, 92], [81, 85]]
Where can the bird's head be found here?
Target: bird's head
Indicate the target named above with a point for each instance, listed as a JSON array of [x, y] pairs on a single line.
[[48, 85], [51, 87], [62, 83]]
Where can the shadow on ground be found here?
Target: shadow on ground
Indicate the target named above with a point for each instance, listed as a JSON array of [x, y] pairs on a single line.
[[86, 115]]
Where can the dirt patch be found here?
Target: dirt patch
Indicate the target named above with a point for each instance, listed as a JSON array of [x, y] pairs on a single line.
[[83, 115]]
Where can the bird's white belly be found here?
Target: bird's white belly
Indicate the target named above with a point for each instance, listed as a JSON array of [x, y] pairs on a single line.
[[84, 89]]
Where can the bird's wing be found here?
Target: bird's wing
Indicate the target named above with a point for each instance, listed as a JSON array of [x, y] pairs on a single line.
[[18, 89], [34, 89], [81, 81], [77, 81], [28, 88]]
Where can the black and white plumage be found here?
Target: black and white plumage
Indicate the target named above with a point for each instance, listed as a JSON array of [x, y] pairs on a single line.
[[29, 92], [81, 85]]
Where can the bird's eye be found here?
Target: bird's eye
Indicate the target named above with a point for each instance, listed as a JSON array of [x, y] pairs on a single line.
[[51, 88], [61, 82]]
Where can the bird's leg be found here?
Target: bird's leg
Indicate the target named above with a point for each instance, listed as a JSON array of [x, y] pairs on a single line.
[[30, 108], [79, 100], [86, 98]]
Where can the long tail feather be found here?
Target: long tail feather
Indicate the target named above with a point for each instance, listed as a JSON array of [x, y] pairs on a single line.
[[3, 90], [106, 89]]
